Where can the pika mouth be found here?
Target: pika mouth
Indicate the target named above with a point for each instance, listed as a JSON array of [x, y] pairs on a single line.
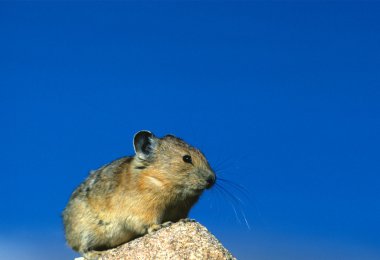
[[198, 190], [210, 182]]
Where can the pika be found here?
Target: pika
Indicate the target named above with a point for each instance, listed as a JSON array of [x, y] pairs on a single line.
[[135, 195]]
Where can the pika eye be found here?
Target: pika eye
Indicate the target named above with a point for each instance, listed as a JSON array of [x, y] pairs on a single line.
[[187, 159]]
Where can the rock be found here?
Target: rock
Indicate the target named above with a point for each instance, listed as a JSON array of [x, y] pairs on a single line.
[[181, 240]]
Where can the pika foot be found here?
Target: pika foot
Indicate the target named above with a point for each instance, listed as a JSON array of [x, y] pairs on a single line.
[[93, 255], [156, 227], [185, 220]]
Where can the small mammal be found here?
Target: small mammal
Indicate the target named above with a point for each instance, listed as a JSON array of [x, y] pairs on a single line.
[[132, 196]]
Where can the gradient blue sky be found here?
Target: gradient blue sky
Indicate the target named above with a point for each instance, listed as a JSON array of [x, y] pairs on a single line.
[[282, 97]]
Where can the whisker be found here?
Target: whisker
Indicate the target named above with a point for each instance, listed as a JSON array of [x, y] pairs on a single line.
[[236, 186], [229, 202], [248, 196], [237, 200], [224, 163], [224, 170], [217, 195]]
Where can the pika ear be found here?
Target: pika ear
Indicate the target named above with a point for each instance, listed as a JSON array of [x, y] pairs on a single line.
[[144, 143]]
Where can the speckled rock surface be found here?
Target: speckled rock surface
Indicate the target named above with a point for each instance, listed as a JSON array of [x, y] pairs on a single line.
[[181, 240]]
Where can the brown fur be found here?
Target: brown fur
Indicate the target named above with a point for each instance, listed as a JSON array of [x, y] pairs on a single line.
[[132, 196]]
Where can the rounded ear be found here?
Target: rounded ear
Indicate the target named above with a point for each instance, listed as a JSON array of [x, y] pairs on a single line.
[[144, 143]]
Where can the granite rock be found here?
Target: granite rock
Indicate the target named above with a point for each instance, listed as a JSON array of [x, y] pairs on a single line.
[[182, 240]]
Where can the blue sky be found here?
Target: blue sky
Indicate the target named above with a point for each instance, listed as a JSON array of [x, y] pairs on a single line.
[[282, 97]]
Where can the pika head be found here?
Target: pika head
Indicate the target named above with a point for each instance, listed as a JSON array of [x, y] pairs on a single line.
[[171, 164]]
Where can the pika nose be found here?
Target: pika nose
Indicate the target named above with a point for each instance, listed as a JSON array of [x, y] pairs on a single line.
[[211, 180]]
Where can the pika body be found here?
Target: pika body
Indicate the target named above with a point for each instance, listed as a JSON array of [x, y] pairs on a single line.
[[136, 195]]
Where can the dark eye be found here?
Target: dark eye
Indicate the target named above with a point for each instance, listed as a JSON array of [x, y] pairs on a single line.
[[187, 159]]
